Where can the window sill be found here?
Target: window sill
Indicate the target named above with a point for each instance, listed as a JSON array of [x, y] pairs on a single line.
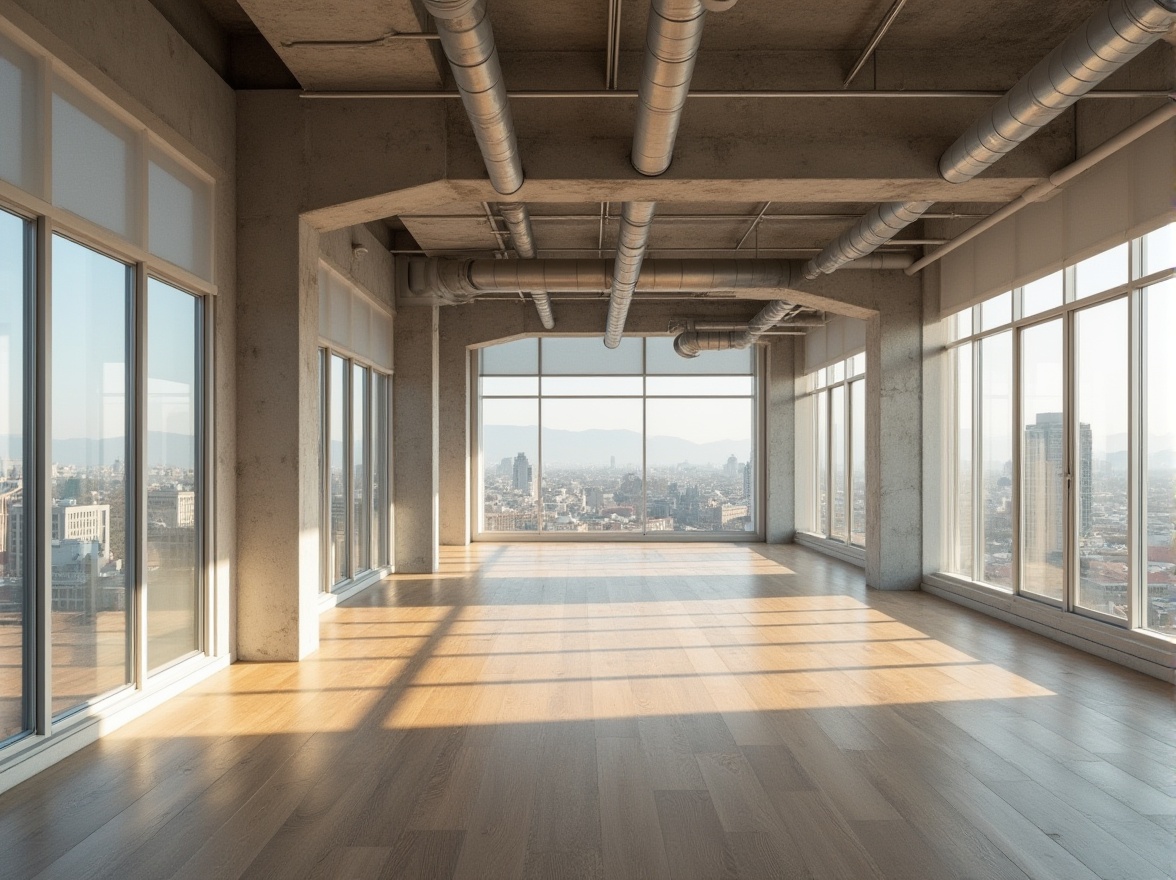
[[1142, 651], [26, 757], [349, 588], [845, 552]]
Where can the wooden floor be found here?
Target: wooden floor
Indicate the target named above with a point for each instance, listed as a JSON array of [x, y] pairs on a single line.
[[567, 711]]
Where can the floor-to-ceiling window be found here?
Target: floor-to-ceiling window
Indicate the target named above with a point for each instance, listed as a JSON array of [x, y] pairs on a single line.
[[1062, 395], [112, 405], [15, 593], [577, 438], [105, 288], [831, 452], [354, 397]]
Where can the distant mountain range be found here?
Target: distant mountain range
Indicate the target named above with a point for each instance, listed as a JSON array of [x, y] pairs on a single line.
[[174, 450], [597, 447]]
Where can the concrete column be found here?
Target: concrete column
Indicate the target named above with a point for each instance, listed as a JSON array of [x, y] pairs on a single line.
[[277, 427], [415, 445], [455, 462], [780, 438], [894, 470]]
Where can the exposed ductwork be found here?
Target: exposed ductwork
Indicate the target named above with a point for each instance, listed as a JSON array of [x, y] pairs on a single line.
[[458, 281], [1112, 36], [672, 38], [468, 42], [1116, 33], [693, 342]]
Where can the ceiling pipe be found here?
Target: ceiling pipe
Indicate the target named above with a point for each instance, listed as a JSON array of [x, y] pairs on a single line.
[[468, 42], [693, 342], [460, 280], [1112, 36], [672, 40], [1059, 178]]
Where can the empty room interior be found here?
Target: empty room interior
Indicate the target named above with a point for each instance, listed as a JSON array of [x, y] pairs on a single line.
[[588, 439]]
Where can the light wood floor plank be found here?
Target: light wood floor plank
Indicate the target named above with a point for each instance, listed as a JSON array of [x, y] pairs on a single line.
[[628, 711]]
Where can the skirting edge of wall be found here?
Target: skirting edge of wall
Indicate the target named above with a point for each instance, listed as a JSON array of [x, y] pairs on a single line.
[[1140, 652]]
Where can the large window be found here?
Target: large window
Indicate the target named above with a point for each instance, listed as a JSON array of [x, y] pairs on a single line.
[[831, 452], [102, 401], [575, 437], [1062, 396], [356, 503], [15, 288]]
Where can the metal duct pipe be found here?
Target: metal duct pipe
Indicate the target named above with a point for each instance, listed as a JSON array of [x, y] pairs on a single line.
[[632, 240], [1059, 178], [672, 38], [459, 281], [881, 224], [1115, 34], [1111, 37], [468, 42], [691, 343]]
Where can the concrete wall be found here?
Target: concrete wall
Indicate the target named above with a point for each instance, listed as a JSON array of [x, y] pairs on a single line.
[[127, 50]]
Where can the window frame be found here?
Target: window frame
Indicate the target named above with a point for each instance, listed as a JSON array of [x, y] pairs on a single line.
[[1133, 292], [478, 466]]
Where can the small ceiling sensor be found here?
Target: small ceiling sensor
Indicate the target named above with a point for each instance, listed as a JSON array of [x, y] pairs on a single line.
[[358, 251]]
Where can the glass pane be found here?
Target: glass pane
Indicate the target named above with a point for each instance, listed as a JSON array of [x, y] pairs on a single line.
[[857, 365], [806, 463], [696, 453], [997, 311], [857, 533], [14, 278], [179, 215], [660, 357], [961, 553], [592, 466], [94, 163], [1101, 272], [337, 434], [510, 465], [593, 385], [518, 358], [1042, 467], [90, 611], [837, 372], [1101, 467], [172, 577], [683, 386], [20, 154], [822, 462], [359, 475], [837, 435], [379, 510], [960, 325], [589, 356], [996, 449], [510, 386], [1159, 249], [1041, 295], [1160, 434]]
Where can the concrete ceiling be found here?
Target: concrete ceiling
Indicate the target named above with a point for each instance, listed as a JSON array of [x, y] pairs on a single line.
[[857, 148]]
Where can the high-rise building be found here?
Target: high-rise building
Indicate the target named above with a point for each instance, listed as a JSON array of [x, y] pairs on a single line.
[[521, 479], [1043, 495]]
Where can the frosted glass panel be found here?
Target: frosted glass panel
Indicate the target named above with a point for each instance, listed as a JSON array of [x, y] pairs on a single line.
[[178, 212], [93, 164], [519, 358], [661, 358], [19, 151], [589, 356]]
